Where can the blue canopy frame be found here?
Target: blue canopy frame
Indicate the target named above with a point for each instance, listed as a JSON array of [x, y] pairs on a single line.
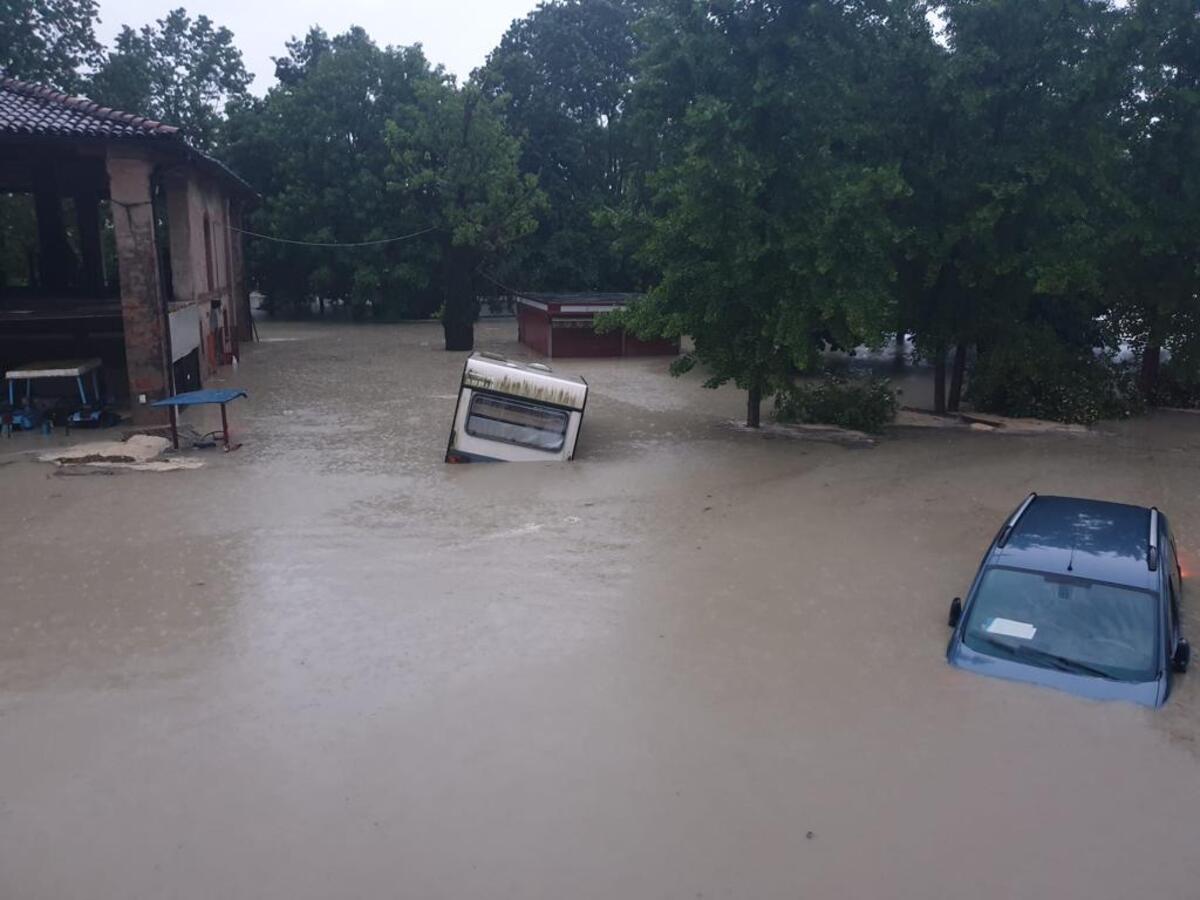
[[220, 396]]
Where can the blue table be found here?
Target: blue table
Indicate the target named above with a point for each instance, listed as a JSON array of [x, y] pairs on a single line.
[[207, 397]]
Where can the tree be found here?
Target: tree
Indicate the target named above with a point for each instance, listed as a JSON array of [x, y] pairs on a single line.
[[304, 55], [764, 217], [49, 41], [361, 144], [1008, 214], [455, 163], [1156, 260], [178, 70], [316, 148], [910, 73], [563, 75]]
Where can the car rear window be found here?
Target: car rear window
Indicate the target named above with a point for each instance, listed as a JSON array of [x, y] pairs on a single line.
[[517, 422], [1106, 627]]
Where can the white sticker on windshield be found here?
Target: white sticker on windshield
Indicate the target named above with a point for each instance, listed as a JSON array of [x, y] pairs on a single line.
[[1011, 628]]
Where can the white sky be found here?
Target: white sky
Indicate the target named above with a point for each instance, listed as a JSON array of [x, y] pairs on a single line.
[[456, 33]]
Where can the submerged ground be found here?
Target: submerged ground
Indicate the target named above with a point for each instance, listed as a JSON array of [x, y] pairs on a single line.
[[696, 662]]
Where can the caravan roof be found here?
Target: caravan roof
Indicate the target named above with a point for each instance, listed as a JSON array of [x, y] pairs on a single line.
[[533, 381]]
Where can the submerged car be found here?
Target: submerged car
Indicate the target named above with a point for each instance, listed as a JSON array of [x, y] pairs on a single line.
[[515, 412], [1078, 595]]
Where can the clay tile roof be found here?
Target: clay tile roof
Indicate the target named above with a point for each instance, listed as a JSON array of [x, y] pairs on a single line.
[[27, 108]]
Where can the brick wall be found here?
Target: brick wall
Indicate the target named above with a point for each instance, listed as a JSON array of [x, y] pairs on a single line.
[[205, 272], [142, 311]]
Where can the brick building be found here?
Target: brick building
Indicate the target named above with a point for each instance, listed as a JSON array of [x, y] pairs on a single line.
[[117, 241]]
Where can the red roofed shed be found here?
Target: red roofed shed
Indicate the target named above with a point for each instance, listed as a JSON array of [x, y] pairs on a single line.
[[563, 325]]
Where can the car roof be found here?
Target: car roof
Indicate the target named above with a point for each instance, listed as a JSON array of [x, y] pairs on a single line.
[[1091, 539]]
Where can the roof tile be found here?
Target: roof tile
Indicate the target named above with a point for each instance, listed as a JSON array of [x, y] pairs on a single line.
[[27, 108]]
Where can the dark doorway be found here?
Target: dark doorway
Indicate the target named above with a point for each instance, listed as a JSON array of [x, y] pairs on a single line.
[[187, 372]]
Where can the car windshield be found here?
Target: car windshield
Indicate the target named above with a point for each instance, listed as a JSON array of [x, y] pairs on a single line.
[[1065, 623]]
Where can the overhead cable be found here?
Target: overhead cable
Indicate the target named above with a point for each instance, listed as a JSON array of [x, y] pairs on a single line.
[[279, 240]]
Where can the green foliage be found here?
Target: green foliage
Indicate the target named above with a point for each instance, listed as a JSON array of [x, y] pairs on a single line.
[[1179, 379], [358, 143], [455, 165], [1178, 387], [860, 403], [563, 75], [1010, 156], [1154, 263], [764, 215], [179, 70], [1032, 373], [316, 148], [49, 41], [452, 158]]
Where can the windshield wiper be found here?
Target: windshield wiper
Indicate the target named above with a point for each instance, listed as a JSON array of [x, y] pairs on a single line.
[[1052, 660]]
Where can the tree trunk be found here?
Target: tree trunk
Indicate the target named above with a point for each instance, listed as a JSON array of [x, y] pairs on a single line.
[[898, 359], [754, 406], [1151, 362], [460, 305], [939, 382], [956, 377], [459, 335]]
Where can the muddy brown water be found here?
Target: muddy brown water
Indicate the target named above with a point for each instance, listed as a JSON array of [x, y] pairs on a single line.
[[329, 665]]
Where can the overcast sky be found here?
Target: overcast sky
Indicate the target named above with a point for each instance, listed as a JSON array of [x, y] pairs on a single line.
[[456, 33]]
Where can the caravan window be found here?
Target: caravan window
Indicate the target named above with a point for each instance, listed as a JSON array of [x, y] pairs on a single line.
[[517, 422]]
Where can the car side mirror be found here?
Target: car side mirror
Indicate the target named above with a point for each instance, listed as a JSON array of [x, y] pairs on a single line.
[[955, 611], [1182, 656]]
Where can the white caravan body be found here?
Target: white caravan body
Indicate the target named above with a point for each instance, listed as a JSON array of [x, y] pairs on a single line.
[[515, 412]]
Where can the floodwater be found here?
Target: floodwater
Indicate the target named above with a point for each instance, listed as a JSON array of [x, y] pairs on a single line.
[[696, 662]]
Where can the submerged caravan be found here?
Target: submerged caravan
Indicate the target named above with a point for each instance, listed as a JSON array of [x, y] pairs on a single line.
[[515, 412]]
